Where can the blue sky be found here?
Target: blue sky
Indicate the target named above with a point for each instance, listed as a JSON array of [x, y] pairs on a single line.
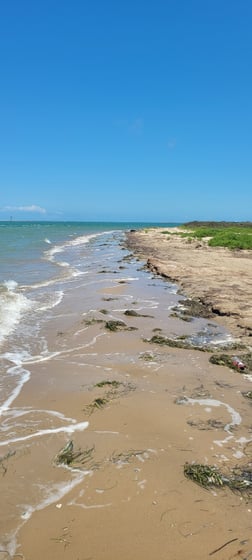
[[126, 110]]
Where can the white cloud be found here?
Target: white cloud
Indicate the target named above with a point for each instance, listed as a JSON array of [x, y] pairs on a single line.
[[31, 208]]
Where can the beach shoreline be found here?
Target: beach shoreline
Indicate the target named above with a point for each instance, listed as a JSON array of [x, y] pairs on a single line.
[[137, 411], [216, 276]]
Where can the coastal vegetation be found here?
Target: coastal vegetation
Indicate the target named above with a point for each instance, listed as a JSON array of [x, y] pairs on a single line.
[[233, 235]]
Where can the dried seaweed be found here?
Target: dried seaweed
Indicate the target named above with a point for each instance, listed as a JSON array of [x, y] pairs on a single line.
[[126, 456]]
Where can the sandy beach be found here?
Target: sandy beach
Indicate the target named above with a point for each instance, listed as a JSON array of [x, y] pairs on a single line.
[[221, 279], [141, 411]]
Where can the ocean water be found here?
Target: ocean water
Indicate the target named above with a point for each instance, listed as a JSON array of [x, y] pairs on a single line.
[[52, 275], [38, 259]]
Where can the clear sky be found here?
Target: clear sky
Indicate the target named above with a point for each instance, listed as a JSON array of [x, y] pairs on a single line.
[[126, 110]]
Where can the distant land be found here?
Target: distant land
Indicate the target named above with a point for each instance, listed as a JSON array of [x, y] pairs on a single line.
[[196, 223]]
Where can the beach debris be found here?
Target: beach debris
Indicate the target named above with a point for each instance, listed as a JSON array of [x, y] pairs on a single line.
[[222, 546], [239, 478], [68, 457], [104, 311], [247, 394], [242, 363], [238, 363]]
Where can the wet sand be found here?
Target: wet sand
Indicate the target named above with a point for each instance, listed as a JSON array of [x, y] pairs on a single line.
[[131, 498]]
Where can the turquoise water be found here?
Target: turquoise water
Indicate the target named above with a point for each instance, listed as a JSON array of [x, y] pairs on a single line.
[[39, 255], [24, 246]]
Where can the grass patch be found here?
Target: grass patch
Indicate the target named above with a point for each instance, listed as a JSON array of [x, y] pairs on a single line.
[[222, 234]]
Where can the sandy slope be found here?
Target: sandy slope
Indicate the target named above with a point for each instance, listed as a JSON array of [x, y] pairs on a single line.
[[220, 278]]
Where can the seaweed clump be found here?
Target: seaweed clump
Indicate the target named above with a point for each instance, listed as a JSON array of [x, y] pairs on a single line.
[[207, 476], [68, 457], [113, 383], [176, 343], [204, 475], [118, 326], [116, 390], [189, 308], [132, 313], [242, 363]]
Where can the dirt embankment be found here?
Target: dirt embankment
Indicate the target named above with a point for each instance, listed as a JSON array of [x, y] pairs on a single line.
[[220, 278]]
